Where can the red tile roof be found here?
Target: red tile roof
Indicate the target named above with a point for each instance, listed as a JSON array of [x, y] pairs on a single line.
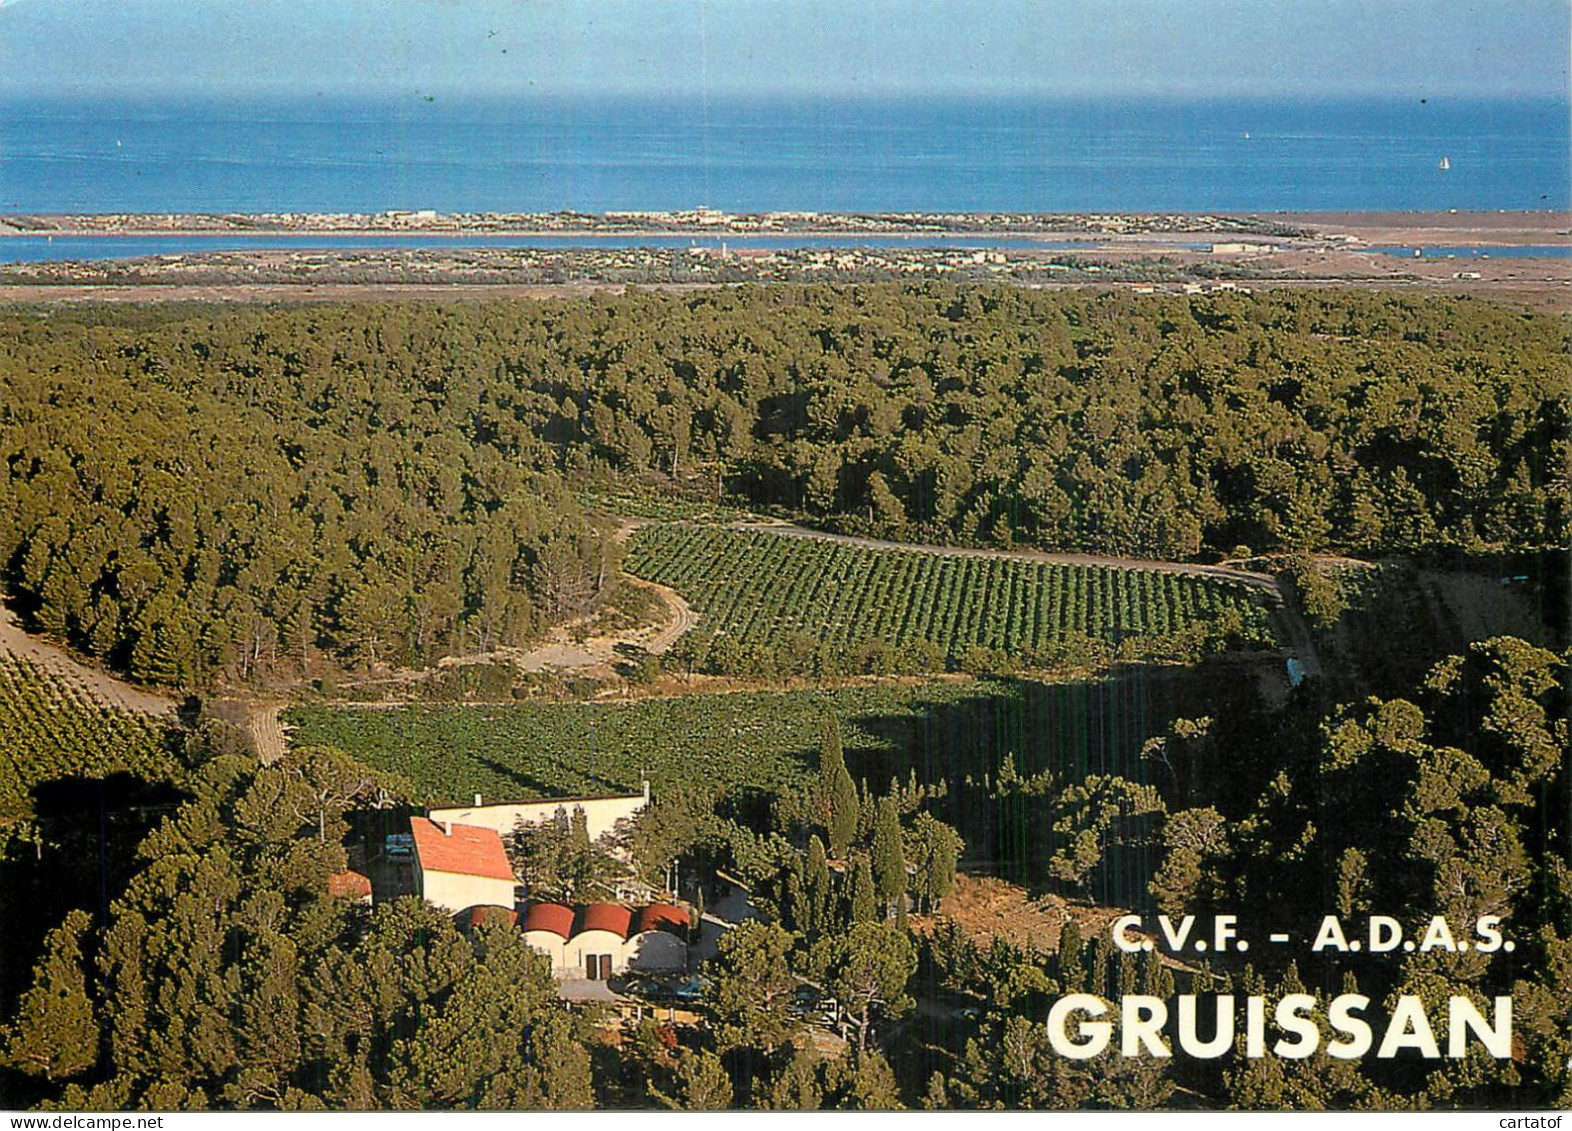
[[484, 913], [551, 917], [348, 885], [663, 917], [611, 917], [466, 851]]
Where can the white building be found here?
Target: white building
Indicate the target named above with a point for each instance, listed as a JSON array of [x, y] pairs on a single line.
[[461, 866], [603, 939], [547, 928], [601, 814], [657, 942], [596, 949]]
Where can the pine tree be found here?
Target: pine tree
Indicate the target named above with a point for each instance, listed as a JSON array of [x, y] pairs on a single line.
[[873, 1084], [937, 1097], [56, 1034]]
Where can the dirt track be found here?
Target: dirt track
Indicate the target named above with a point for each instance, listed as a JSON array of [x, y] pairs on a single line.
[[1263, 582], [682, 618], [104, 688], [563, 652]]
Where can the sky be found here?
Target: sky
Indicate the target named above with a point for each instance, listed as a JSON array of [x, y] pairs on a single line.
[[1131, 48]]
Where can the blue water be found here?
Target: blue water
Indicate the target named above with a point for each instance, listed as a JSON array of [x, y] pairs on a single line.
[[1501, 251], [594, 155]]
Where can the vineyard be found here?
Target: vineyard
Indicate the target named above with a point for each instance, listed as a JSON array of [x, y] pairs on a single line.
[[764, 741], [770, 592], [50, 729]]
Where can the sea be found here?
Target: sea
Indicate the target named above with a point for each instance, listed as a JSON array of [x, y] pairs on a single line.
[[525, 154]]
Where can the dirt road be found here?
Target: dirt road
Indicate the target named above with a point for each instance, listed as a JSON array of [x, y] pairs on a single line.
[[105, 688], [1265, 583]]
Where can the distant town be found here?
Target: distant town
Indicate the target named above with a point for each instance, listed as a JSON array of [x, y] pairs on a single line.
[[705, 221], [272, 255]]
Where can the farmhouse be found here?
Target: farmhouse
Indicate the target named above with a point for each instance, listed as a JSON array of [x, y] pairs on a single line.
[[601, 814], [603, 939], [461, 866], [351, 886]]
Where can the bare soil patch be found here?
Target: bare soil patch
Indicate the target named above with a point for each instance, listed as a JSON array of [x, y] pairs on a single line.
[[1453, 227], [268, 732], [986, 907], [568, 648]]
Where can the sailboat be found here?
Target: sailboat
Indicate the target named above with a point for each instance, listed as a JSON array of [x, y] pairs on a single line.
[[1445, 164]]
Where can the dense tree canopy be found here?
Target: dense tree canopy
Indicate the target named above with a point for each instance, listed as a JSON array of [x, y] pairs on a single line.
[[198, 495], [188, 492]]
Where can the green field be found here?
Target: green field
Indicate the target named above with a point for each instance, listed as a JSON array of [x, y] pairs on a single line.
[[774, 592], [50, 729], [944, 729]]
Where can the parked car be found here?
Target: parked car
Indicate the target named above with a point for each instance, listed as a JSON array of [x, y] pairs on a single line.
[[637, 985], [399, 846], [693, 989], [803, 1000]]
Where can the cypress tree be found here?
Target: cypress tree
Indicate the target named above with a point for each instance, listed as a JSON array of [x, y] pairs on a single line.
[[1129, 975], [817, 892], [795, 903], [889, 863], [839, 791], [862, 898], [866, 809], [1097, 969], [1072, 970]]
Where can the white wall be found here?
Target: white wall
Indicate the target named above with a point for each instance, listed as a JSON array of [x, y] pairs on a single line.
[[656, 950], [594, 942], [551, 945], [600, 813], [456, 892]]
